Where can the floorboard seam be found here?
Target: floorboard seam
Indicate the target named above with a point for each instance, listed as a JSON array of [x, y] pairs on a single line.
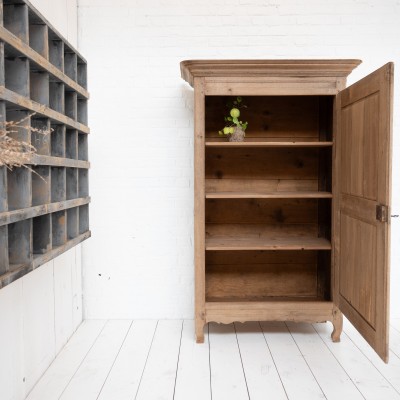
[[273, 360], [341, 366], [209, 358], [115, 359], [241, 361], [177, 362], [305, 360], [83, 359], [355, 344], [147, 358]]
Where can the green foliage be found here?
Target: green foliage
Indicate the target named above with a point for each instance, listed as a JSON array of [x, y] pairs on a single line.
[[232, 119]]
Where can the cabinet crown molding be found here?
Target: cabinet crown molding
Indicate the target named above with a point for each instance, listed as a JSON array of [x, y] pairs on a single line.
[[191, 69]]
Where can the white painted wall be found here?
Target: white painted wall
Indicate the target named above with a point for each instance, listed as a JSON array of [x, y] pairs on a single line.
[[39, 312], [139, 262]]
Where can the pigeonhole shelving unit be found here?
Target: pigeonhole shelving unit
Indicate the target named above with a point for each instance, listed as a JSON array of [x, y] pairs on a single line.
[[43, 87]]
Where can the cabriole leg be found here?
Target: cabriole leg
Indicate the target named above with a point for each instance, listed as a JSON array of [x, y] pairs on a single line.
[[337, 322]]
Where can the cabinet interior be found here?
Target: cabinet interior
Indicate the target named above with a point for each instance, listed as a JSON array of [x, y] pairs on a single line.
[[269, 200]]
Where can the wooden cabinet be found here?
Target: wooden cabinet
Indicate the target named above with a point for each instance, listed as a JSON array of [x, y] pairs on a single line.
[[293, 223]]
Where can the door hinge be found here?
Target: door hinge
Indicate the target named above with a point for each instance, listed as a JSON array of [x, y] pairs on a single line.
[[382, 213]]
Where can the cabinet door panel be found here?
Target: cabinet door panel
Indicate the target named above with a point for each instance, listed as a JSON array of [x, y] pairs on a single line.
[[363, 163]]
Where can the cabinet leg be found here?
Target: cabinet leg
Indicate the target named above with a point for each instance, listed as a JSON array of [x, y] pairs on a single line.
[[337, 323], [199, 330]]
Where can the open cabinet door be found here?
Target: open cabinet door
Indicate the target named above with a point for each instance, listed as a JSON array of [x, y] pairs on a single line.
[[362, 212]]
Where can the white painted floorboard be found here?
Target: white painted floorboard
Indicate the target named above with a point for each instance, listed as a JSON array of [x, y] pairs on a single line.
[[90, 376], [261, 375], [61, 371], [330, 375], [193, 378], [369, 381], [227, 376], [123, 381], [152, 360], [396, 324], [159, 375], [297, 378]]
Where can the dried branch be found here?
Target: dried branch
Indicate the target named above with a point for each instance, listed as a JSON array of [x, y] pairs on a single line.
[[15, 153]]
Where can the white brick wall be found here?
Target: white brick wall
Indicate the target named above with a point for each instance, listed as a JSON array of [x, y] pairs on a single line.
[[139, 263]]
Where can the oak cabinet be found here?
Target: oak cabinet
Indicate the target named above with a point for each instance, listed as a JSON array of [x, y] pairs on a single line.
[[293, 223]]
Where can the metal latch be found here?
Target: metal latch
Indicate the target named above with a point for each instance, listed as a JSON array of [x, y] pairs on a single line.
[[382, 213]]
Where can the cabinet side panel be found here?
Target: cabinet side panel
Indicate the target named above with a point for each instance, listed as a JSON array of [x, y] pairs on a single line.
[[199, 206], [336, 195]]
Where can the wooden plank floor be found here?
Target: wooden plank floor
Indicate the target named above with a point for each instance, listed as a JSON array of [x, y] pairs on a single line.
[[146, 360]]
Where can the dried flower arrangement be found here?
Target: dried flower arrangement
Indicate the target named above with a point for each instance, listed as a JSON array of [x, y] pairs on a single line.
[[15, 153]]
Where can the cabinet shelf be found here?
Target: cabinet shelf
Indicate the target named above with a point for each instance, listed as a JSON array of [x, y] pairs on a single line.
[[258, 301], [227, 243], [308, 310], [268, 144], [271, 195]]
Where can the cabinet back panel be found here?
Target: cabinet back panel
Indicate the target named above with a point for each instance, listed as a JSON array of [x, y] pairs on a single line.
[[241, 257], [261, 231], [254, 281], [260, 185], [262, 211], [267, 275], [262, 163], [270, 117]]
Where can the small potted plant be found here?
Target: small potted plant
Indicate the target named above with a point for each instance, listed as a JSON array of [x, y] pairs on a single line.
[[234, 128]]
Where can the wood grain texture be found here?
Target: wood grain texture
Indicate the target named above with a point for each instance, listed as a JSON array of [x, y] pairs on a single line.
[[22, 101], [270, 195], [24, 50], [251, 281], [267, 144], [273, 120], [262, 163], [38, 260], [9, 217], [362, 251], [191, 69], [262, 211], [254, 190], [301, 311], [199, 207], [260, 185]]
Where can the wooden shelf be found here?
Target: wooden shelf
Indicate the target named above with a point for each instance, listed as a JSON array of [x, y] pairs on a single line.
[[258, 300], [37, 159], [9, 217], [271, 195], [281, 243], [304, 310], [24, 50], [26, 103], [268, 144], [18, 270]]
